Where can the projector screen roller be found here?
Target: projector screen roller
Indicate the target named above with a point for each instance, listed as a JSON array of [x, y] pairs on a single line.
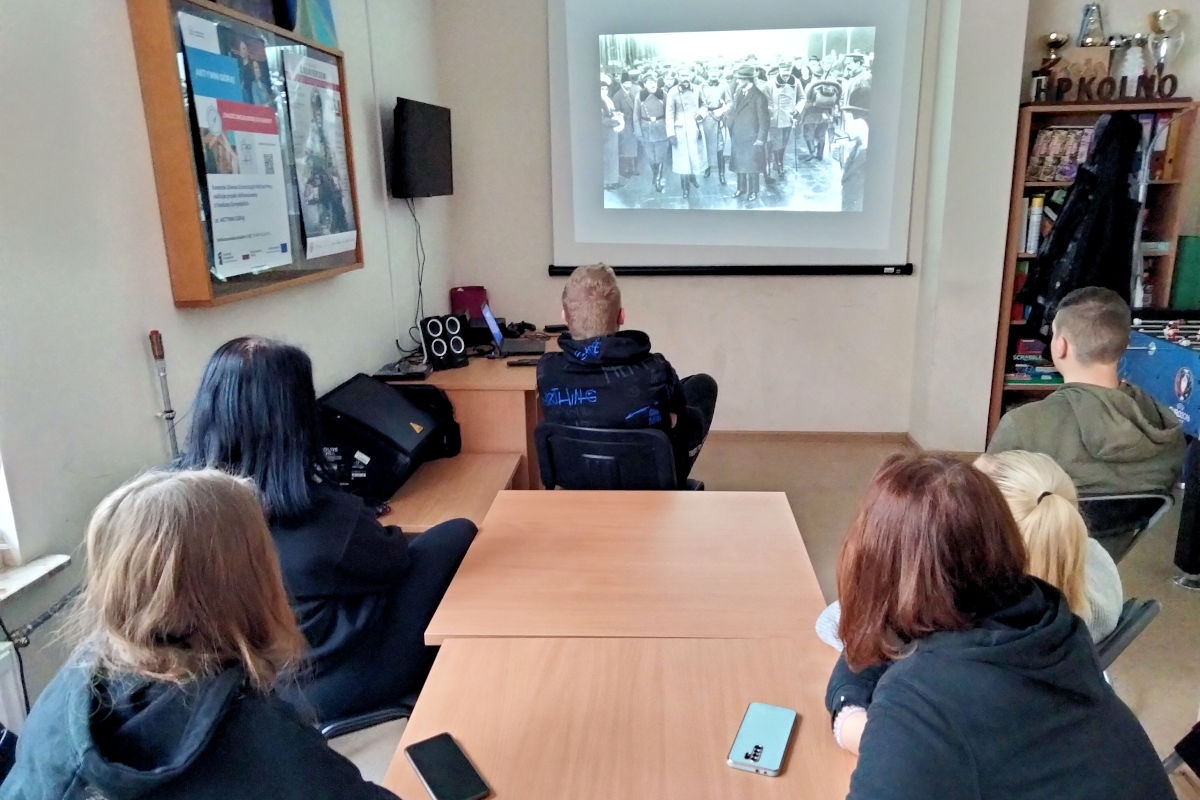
[[774, 133]]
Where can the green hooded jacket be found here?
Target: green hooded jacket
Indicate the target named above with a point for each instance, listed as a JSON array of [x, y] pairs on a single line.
[[1108, 440]]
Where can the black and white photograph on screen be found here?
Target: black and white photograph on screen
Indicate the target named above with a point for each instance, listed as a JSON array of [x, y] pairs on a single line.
[[750, 120]]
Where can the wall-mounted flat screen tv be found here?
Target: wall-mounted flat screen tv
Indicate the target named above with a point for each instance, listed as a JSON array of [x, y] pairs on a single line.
[[421, 163]]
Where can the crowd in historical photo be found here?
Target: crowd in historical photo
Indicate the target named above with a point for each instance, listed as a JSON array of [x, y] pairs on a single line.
[[736, 119]]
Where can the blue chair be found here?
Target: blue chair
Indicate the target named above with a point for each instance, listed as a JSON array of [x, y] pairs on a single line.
[[606, 458]]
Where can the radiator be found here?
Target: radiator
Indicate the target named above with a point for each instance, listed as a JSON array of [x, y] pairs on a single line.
[[12, 700]]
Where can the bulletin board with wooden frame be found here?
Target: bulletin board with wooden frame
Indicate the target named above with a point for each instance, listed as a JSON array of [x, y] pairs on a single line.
[[179, 157]]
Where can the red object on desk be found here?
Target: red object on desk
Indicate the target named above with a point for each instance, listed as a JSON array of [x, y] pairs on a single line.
[[468, 300]]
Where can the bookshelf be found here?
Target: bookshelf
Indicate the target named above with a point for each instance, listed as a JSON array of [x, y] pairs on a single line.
[[1163, 210]]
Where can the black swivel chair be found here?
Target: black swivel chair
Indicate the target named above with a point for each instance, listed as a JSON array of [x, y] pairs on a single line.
[[1136, 614], [1117, 520], [604, 458], [340, 727]]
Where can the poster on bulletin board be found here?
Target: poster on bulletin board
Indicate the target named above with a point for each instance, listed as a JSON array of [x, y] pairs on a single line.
[[322, 175], [240, 140]]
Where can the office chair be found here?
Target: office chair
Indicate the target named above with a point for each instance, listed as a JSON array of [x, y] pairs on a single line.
[[340, 727], [606, 458], [1136, 614], [1117, 520]]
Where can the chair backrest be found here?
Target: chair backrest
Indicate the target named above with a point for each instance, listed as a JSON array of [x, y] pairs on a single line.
[[1187, 543], [604, 458], [1136, 614], [1117, 520], [333, 728]]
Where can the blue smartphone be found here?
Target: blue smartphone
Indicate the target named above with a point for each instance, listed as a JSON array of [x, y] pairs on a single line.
[[762, 739]]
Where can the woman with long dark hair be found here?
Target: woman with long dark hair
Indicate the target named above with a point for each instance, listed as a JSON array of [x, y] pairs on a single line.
[[362, 593], [964, 677]]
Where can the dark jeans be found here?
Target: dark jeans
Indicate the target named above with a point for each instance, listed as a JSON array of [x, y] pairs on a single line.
[[390, 661], [691, 429]]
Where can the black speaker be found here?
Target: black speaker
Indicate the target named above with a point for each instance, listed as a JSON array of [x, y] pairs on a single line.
[[445, 347]]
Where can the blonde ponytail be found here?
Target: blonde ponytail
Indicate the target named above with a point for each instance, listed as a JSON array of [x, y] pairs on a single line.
[[1045, 506]]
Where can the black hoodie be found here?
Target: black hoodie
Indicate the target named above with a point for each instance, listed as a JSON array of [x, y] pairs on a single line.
[[1014, 708], [611, 381], [215, 739]]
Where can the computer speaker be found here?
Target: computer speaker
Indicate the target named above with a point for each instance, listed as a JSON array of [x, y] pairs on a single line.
[[442, 337]]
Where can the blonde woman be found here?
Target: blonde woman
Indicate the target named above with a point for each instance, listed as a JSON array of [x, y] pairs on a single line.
[[187, 628], [1043, 502], [1042, 499]]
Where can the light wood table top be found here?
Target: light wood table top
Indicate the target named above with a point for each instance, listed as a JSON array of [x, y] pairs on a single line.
[[625, 718], [462, 486], [678, 564]]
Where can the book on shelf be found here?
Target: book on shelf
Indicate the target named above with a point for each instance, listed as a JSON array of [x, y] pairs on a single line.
[[1057, 152], [1024, 234], [1020, 311], [1030, 347], [1032, 379], [1034, 236], [1170, 156]]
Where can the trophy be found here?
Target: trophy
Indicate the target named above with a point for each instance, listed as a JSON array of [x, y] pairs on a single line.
[[1166, 40], [1054, 42], [1091, 29]]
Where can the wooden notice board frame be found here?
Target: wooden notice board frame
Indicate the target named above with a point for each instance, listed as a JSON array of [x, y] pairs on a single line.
[[173, 150]]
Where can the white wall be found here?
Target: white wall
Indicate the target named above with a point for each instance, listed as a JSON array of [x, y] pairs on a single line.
[[970, 174], [1128, 17], [818, 354], [825, 353], [83, 276]]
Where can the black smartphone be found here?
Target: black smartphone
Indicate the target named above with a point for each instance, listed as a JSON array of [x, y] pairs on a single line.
[[444, 769], [523, 362]]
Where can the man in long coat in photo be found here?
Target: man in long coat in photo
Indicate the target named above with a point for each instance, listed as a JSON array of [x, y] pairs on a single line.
[[748, 122]]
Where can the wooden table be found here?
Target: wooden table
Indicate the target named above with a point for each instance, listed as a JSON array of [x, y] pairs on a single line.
[[497, 409], [625, 719], [463, 486], [628, 564]]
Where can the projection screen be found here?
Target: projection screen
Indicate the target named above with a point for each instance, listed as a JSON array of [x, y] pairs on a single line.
[[770, 134]]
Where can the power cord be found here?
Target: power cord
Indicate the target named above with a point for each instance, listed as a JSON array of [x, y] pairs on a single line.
[[20, 663], [419, 246], [19, 637]]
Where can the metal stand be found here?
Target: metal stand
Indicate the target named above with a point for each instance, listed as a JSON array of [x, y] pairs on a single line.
[[168, 413], [1187, 581]]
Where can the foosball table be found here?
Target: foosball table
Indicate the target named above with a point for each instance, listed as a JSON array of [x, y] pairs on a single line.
[[1164, 360]]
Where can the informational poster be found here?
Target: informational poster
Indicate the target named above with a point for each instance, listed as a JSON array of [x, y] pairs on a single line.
[[315, 102], [239, 137]]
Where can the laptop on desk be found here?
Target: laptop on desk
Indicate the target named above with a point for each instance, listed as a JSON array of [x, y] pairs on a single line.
[[510, 347]]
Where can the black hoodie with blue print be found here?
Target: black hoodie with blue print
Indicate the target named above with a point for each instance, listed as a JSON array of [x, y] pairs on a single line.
[[611, 381]]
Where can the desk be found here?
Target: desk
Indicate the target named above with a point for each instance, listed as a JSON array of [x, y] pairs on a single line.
[[625, 718], [497, 408], [463, 486], [659, 564]]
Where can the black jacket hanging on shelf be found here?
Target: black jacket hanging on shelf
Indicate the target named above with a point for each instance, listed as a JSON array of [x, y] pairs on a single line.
[[1091, 243]]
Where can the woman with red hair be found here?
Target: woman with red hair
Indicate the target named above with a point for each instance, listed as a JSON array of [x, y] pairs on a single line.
[[962, 676]]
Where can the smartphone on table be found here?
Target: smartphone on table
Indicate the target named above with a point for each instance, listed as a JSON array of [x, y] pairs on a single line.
[[445, 770], [762, 739]]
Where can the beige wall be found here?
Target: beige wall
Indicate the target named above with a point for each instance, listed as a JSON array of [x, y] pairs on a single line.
[[83, 275], [820, 354], [970, 173], [1128, 17]]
